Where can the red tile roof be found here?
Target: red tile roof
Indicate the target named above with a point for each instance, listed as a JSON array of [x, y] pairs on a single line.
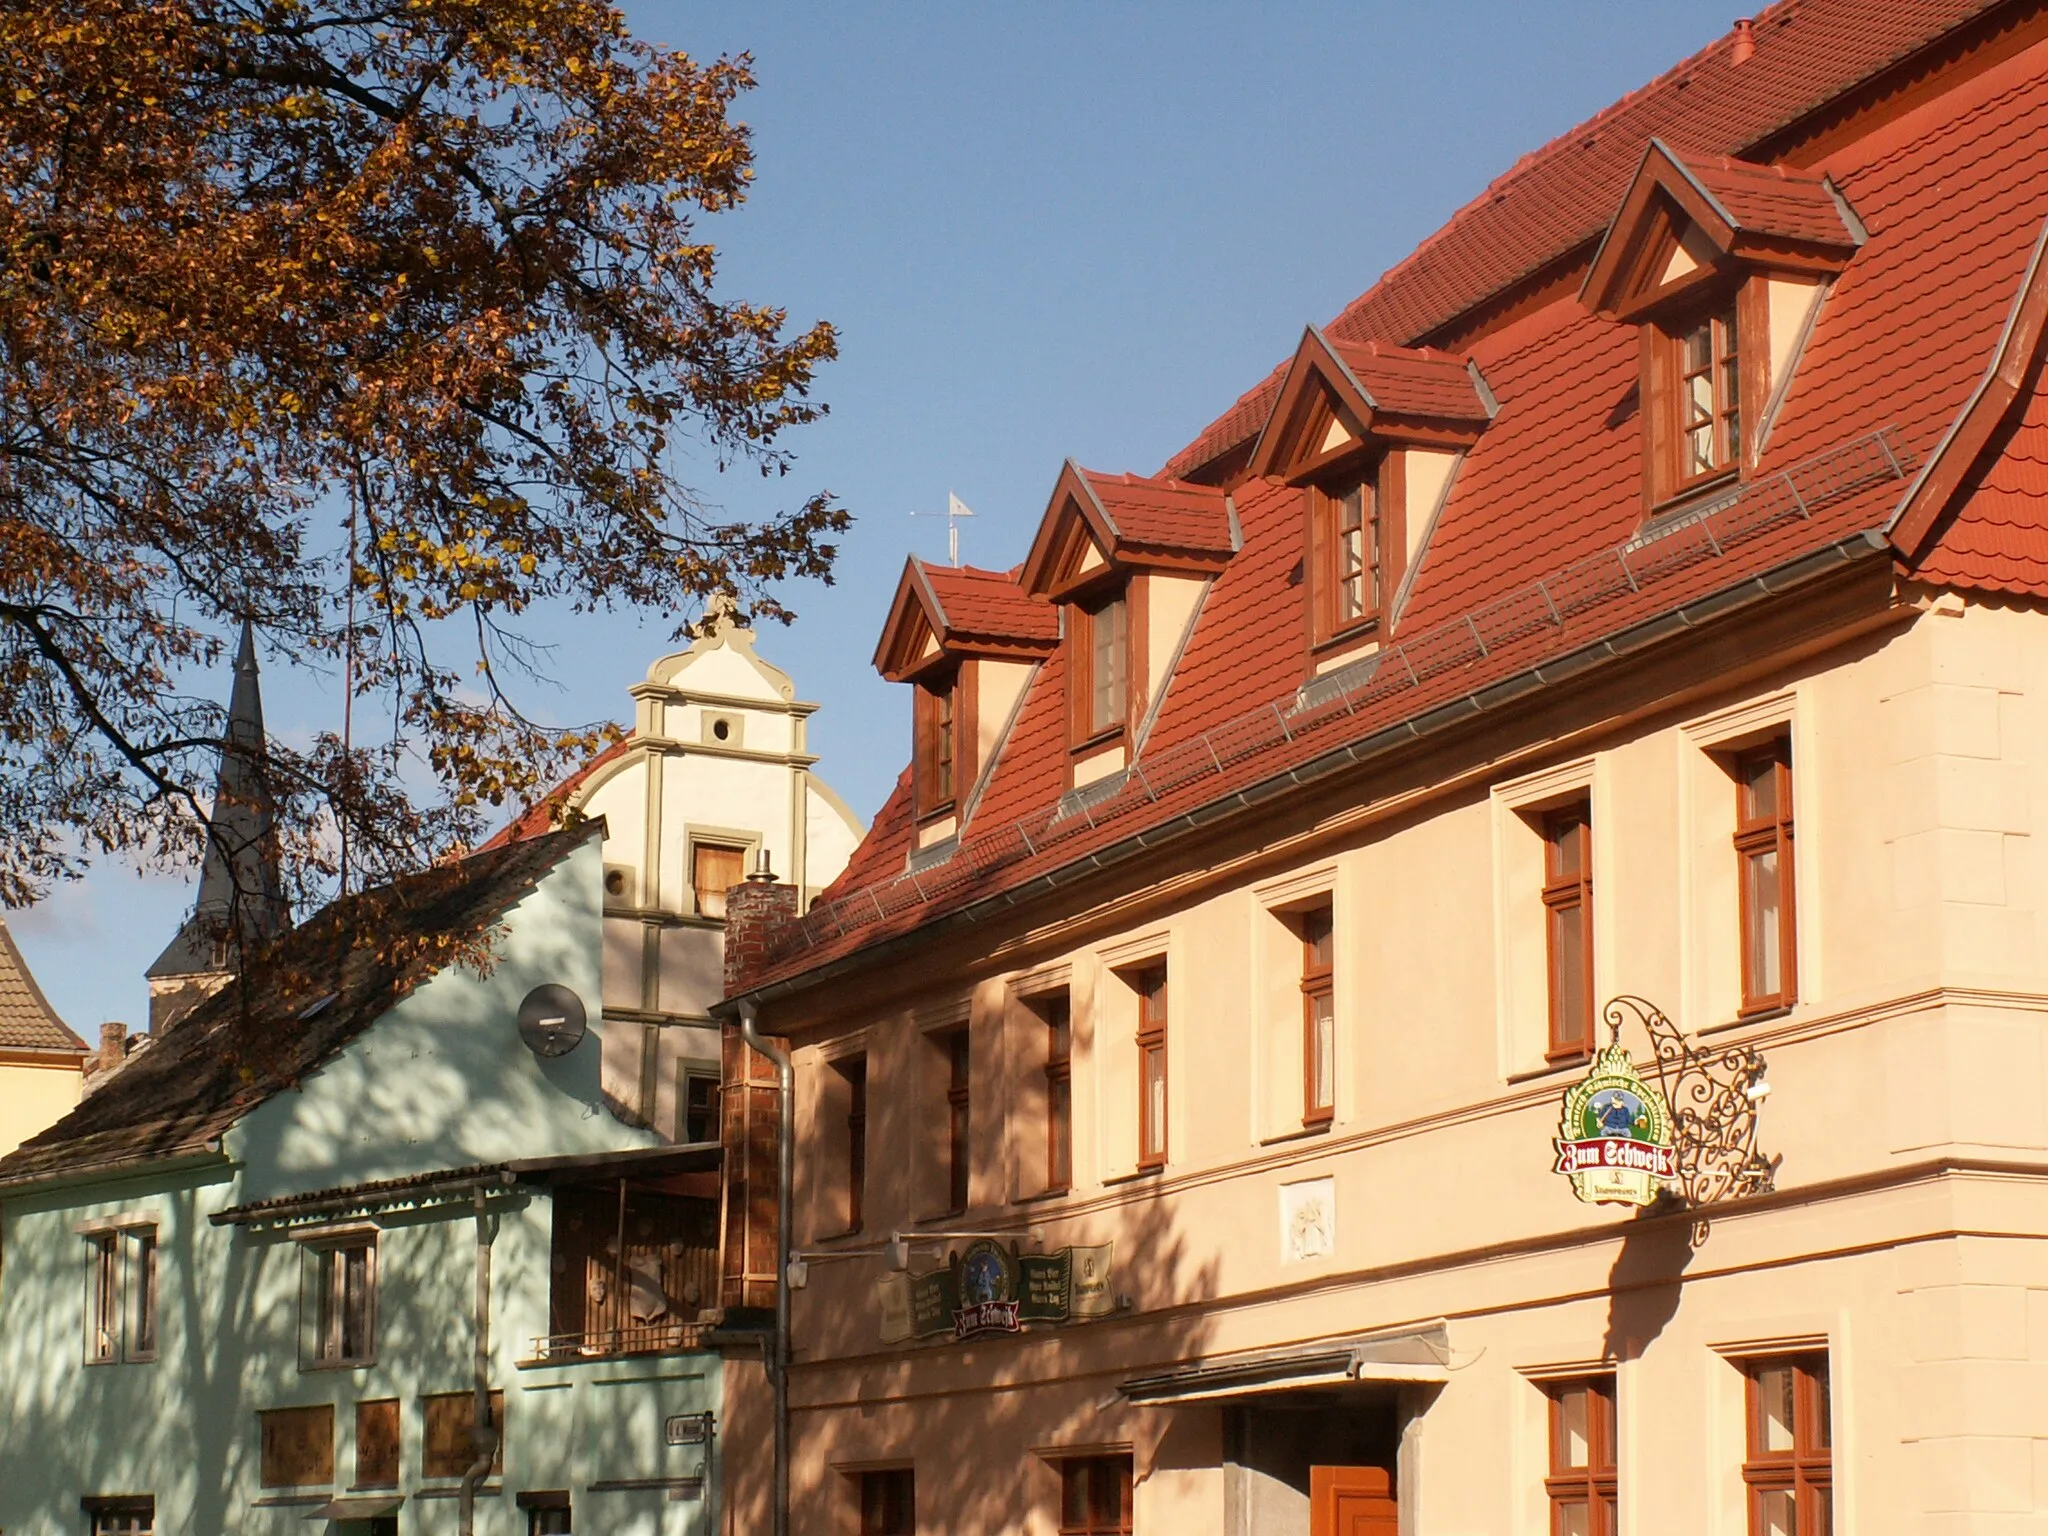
[[978, 604], [1413, 381], [1773, 200], [1560, 197], [27, 1021], [1552, 490], [1998, 538], [542, 816], [1163, 513]]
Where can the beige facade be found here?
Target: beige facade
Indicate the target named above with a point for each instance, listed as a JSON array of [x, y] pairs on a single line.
[[1345, 1274], [1909, 1103], [42, 1062]]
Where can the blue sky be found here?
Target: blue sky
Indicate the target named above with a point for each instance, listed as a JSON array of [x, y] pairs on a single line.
[[1044, 231]]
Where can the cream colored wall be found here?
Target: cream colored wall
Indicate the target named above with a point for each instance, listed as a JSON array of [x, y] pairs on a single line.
[[1919, 1042], [34, 1097]]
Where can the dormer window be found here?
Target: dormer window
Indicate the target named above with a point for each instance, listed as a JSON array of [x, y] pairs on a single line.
[[1709, 392], [1346, 556], [1102, 648], [937, 747], [1722, 263]]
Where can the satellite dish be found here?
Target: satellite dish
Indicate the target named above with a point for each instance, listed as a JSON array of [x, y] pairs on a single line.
[[551, 1020]]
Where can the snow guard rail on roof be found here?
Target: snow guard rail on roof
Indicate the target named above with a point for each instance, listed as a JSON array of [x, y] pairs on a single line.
[[1240, 748]]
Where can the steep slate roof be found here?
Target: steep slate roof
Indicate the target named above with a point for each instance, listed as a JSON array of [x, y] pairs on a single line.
[[27, 1021], [1553, 489], [250, 1041], [1560, 197]]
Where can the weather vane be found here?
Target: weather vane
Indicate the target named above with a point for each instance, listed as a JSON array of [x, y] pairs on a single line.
[[955, 510]]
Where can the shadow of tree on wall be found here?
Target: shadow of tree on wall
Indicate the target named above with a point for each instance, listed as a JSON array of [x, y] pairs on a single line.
[[984, 1421]]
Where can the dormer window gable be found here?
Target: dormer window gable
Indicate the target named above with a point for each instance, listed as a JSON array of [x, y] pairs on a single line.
[[1371, 433], [966, 641], [1099, 528], [1721, 264], [1125, 558]]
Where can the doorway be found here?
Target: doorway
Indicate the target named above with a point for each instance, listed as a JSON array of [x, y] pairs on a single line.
[[1352, 1501]]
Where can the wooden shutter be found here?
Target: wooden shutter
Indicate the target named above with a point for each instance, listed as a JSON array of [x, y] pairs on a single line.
[[750, 1109]]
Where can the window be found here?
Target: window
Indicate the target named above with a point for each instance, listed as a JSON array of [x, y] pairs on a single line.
[[936, 746], [888, 1503], [715, 868], [339, 1302], [1318, 1019], [959, 1118], [377, 1443], [129, 1514], [1151, 989], [1059, 1094], [1095, 1496], [547, 1514], [1568, 904], [699, 1100], [1101, 666], [449, 1448], [855, 1071], [1346, 557], [1763, 852], [1582, 1484], [297, 1446], [1709, 397], [1790, 1470], [120, 1321]]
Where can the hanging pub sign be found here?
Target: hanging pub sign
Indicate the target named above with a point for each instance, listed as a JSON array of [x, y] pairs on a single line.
[[990, 1288], [1615, 1142]]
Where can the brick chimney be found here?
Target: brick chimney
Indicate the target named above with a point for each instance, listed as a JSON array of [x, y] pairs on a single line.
[[755, 913], [109, 1058]]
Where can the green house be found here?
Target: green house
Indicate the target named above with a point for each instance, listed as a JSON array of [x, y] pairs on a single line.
[[262, 1277]]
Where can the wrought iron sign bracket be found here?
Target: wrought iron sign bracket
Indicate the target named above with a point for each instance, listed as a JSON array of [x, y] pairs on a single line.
[[1715, 1098]]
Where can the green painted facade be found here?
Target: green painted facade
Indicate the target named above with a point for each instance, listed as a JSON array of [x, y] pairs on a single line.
[[441, 1081]]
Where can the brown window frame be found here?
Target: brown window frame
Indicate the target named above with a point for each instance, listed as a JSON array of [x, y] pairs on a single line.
[[689, 1105], [124, 1514], [1568, 890], [1086, 730], [1328, 576], [959, 1047], [121, 1316], [1318, 1014], [1757, 836], [873, 1490], [1154, 1079], [1735, 314], [1807, 1466], [703, 899], [1058, 1013], [325, 1295], [547, 1514], [855, 1070], [937, 748], [1597, 1483], [1081, 1479]]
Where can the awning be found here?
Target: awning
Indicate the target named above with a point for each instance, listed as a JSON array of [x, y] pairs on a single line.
[[358, 1508], [1417, 1354]]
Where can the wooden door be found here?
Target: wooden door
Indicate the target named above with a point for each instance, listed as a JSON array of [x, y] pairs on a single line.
[[1352, 1501]]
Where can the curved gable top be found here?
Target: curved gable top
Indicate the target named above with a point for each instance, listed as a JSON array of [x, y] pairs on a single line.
[[1096, 523], [1683, 222], [1336, 394], [943, 612]]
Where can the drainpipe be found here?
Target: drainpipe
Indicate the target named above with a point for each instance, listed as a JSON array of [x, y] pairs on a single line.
[[483, 1433], [778, 1357]]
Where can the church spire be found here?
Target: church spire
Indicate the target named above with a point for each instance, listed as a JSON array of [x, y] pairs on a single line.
[[241, 895]]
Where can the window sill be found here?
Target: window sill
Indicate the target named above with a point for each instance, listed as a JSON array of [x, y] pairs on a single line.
[[841, 1237], [291, 1500], [1095, 743], [1687, 499], [1299, 1133], [1151, 1171], [324, 1366], [1548, 1069], [1756, 1016], [1046, 1194], [938, 1216], [1340, 640]]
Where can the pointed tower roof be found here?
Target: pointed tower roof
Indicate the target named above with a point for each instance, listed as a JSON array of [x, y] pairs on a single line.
[[239, 884], [27, 1021]]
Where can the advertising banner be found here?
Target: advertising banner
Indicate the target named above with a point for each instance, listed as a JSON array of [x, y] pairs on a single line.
[[990, 1288]]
